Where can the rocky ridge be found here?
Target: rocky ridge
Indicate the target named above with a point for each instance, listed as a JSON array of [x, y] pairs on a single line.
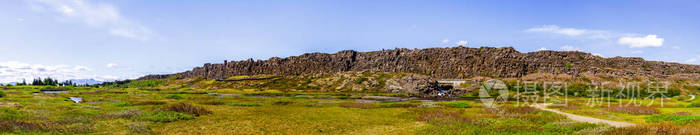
[[455, 62]]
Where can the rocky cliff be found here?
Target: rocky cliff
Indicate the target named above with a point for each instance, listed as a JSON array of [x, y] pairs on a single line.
[[456, 62]]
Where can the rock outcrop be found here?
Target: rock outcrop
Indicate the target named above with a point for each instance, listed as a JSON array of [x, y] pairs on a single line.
[[413, 83], [456, 62], [149, 77]]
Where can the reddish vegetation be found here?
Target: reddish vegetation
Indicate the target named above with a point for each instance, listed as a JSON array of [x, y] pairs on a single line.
[[655, 129], [633, 109], [11, 125], [357, 105], [682, 113], [440, 115], [188, 108]]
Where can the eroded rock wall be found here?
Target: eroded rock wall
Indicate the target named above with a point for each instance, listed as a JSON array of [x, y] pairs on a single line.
[[457, 62]]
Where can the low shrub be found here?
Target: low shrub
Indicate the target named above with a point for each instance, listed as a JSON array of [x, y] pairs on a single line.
[[654, 129], [459, 104], [567, 126], [529, 114], [188, 108], [633, 110], [164, 116], [212, 103], [150, 103], [399, 105], [357, 105], [678, 119], [283, 102], [522, 109], [442, 115], [12, 125], [244, 104], [565, 107], [510, 110], [694, 105], [138, 127], [126, 114], [121, 104], [299, 97], [360, 80], [11, 114], [682, 113], [174, 96], [347, 97]]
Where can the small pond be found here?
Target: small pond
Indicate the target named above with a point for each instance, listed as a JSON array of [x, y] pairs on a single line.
[[76, 99], [51, 91]]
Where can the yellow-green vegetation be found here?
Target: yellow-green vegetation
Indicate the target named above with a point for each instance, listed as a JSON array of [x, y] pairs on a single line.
[[673, 114], [25, 110]]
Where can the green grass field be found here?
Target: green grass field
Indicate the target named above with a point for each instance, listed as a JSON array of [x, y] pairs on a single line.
[[25, 110]]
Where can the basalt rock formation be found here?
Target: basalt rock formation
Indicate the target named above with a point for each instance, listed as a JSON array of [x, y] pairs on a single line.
[[149, 77], [456, 62]]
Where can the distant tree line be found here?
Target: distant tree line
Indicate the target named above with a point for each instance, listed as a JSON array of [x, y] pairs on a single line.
[[46, 82]]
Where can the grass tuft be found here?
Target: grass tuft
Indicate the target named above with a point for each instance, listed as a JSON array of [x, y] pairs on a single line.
[[459, 104], [654, 129], [212, 103], [150, 103], [121, 104], [357, 105], [633, 110], [694, 105], [677, 119], [244, 104], [174, 96], [164, 116], [188, 108], [12, 125], [126, 114]]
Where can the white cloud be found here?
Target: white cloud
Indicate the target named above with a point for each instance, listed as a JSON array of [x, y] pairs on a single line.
[[461, 42], [558, 30], [570, 48], [99, 15], [13, 71], [445, 41], [111, 65], [641, 42], [693, 60], [573, 32], [81, 68]]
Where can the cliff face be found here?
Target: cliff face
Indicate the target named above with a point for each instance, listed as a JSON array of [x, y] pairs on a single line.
[[457, 62]]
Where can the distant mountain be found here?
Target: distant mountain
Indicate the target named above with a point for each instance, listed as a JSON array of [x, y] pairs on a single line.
[[11, 83], [86, 81]]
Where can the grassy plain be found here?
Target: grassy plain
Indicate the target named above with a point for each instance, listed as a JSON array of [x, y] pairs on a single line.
[[25, 110]]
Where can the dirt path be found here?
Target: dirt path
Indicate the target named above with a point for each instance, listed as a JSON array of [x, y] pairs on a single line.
[[692, 97], [580, 118]]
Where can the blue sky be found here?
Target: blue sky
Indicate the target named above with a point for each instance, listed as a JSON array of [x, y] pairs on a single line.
[[107, 40]]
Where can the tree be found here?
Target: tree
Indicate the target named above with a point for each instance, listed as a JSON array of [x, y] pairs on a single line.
[[24, 82], [37, 82]]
